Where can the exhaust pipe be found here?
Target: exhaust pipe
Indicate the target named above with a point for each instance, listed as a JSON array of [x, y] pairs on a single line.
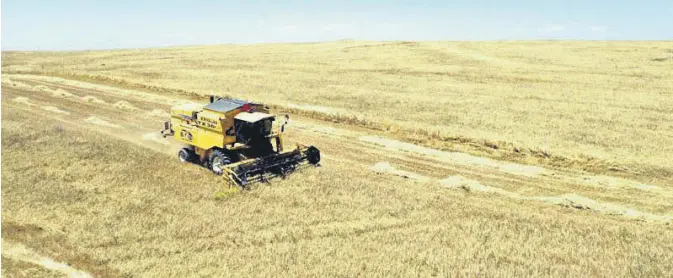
[[168, 129]]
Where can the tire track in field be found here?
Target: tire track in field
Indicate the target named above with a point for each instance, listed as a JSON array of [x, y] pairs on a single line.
[[474, 164], [571, 200], [463, 161], [555, 185], [20, 252], [133, 132], [359, 148]]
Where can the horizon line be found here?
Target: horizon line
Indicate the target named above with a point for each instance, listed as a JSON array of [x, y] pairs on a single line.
[[327, 41]]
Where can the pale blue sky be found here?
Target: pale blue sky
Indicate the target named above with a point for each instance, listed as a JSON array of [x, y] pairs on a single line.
[[79, 24]]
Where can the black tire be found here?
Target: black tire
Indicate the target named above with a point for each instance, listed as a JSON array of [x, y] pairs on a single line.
[[216, 160], [185, 155], [313, 155]]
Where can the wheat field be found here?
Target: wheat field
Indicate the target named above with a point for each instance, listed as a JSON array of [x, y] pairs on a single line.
[[439, 159], [563, 102]]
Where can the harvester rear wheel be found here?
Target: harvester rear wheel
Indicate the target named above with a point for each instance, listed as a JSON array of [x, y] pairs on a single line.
[[218, 160], [185, 155]]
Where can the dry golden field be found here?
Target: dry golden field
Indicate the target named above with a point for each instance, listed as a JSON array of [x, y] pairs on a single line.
[[600, 106], [439, 159]]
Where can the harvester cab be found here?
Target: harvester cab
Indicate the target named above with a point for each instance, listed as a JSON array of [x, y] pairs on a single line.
[[235, 138]]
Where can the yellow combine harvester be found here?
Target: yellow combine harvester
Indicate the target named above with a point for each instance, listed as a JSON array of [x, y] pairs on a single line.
[[235, 138]]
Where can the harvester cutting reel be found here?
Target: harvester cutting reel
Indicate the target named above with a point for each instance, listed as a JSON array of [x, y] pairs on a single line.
[[262, 169], [244, 172]]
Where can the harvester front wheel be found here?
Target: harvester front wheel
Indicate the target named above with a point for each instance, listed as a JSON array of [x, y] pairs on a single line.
[[185, 155], [217, 161]]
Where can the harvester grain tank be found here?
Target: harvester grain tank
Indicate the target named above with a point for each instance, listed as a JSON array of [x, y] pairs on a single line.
[[235, 138]]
